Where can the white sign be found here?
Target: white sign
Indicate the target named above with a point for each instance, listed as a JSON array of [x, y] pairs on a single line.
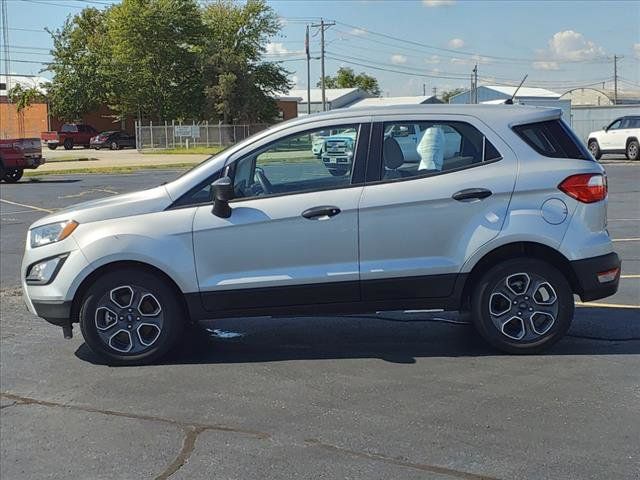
[[192, 131]]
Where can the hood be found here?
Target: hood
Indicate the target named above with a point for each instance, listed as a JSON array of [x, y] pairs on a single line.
[[128, 204]]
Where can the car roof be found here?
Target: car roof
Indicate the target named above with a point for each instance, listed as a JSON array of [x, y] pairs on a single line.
[[505, 114]]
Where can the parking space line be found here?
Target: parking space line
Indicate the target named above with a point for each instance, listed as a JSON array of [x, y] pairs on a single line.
[[26, 206], [623, 220], [605, 305], [633, 239], [629, 276]]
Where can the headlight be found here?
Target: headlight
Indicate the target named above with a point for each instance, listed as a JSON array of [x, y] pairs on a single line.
[[43, 272], [53, 232]]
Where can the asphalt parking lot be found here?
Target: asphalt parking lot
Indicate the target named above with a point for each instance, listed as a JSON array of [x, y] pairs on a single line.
[[397, 395]]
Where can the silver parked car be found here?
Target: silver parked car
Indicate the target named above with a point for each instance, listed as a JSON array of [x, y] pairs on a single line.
[[506, 218]]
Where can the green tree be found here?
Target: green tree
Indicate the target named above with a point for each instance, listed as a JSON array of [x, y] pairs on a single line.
[[347, 78], [78, 80], [239, 84], [154, 63], [447, 94], [24, 97]]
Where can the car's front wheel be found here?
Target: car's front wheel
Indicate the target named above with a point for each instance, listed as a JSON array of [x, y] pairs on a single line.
[[131, 317], [522, 306]]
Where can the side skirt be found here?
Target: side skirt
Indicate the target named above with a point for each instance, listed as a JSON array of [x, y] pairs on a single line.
[[307, 306]]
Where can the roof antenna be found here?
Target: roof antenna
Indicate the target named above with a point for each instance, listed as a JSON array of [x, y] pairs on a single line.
[[510, 100]]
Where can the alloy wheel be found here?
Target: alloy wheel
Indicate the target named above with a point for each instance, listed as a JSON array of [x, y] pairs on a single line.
[[523, 306], [129, 319]]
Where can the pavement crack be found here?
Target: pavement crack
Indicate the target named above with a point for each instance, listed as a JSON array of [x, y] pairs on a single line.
[[399, 461], [191, 430], [188, 446], [2, 407]]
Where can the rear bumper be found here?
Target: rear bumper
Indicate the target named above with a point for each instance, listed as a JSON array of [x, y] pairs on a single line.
[[587, 270]]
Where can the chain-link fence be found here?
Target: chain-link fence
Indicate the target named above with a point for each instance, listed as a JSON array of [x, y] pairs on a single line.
[[184, 135]]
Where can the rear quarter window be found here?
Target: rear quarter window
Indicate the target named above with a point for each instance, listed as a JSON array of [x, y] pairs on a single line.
[[552, 139]]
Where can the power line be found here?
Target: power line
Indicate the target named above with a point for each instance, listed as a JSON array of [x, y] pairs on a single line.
[[459, 52]]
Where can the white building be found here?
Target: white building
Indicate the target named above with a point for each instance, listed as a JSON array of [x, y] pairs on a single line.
[[539, 97], [385, 101], [335, 98], [7, 82]]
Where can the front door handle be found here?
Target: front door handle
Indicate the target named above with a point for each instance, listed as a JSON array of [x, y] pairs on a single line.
[[470, 194], [320, 213]]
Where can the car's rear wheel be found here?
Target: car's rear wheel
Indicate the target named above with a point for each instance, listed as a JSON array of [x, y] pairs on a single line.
[[68, 144], [131, 317], [633, 150], [52, 146], [594, 148], [114, 146], [12, 175], [522, 306]]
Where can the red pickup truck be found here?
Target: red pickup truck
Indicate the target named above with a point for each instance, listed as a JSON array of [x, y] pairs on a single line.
[[16, 154], [70, 135]]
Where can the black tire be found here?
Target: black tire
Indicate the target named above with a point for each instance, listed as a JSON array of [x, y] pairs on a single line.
[[52, 146], [531, 342], [12, 175], [338, 172], [97, 147], [633, 150], [114, 146], [68, 144], [2, 170], [171, 317], [594, 148]]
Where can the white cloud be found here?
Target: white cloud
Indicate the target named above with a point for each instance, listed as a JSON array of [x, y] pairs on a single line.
[[438, 3], [570, 45], [276, 49], [544, 65], [432, 60], [456, 43], [636, 49], [398, 59], [358, 32]]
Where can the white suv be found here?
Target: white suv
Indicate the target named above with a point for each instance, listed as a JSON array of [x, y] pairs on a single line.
[[507, 225], [620, 136]]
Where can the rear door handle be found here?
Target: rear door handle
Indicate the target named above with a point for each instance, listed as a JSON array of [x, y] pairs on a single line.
[[469, 194], [319, 213]]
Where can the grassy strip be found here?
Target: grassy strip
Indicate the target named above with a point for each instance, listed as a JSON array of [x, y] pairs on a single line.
[[186, 151], [108, 170], [70, 158]]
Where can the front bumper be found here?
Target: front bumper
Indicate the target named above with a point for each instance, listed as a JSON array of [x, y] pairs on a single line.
[[586, 272]]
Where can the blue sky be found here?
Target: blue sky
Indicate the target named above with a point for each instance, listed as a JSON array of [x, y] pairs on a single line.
[[408, 44]]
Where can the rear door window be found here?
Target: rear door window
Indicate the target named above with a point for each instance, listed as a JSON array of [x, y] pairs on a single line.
[[552, 139]]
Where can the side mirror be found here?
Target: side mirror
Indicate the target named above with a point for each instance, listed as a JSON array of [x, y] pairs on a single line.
[[604, 127], [222, 193]]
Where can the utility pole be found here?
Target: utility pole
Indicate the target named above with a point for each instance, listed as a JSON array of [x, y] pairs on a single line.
[[323, 26], [434, 91], [306, 49], [615, 80], [424, 89], [475, 84]]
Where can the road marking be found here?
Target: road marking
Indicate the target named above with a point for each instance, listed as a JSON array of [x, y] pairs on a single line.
[[623, 220], [629, 276], [636, 239], [16, 213], [26, 206], [605, 305]]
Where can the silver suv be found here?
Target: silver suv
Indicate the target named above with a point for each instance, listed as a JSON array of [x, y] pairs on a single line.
[[503, 217]]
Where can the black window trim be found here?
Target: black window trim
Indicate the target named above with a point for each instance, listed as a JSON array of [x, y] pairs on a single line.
[[357, 175], [577, 143], [374, 165]]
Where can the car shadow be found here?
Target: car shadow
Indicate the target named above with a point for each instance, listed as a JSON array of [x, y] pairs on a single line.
[[37, 181], [393, 337]]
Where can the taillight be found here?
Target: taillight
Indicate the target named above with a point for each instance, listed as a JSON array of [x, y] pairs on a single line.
[[585, 187]]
